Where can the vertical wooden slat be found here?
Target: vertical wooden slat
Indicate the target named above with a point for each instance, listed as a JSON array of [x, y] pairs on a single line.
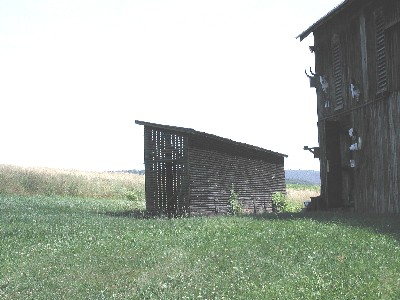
[[364, 57], [380, 50]]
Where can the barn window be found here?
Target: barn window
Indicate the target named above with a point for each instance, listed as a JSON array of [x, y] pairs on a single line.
[[381, 76], [337, 72]]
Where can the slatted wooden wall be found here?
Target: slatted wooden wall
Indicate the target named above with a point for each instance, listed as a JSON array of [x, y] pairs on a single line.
[[166, 172], [392, 34], [380, 48], [337, 64], [191, 173], [216, 167]]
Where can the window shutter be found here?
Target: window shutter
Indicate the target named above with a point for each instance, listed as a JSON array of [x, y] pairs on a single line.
[[337, 72], [381, 77]]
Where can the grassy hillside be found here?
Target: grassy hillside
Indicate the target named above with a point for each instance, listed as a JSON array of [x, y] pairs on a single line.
[[44, 181], [71, 248]]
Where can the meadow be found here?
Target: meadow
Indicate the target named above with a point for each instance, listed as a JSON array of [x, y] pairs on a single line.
[[15, 180], [74, 247]]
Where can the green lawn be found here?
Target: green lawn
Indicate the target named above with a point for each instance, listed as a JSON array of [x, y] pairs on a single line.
[[72, 248]]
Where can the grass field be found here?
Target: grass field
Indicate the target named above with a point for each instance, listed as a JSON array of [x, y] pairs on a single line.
[[101, 247], [72, 248], [16, 180]]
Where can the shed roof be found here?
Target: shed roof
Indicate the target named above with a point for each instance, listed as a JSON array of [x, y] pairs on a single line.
[[190, 131], [325, 18]]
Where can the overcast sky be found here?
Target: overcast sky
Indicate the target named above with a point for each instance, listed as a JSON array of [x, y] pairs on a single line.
[[76, 74]]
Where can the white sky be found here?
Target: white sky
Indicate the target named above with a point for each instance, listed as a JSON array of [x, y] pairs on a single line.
[[76, 74]]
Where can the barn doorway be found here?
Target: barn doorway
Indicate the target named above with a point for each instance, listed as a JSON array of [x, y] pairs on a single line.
[[334, 165]]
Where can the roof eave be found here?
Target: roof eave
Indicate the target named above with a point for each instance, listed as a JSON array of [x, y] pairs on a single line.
[[207, 135], [325, 19]]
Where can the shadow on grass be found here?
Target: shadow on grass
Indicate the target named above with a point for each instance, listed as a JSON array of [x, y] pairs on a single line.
[[136, 214], [383, 224]]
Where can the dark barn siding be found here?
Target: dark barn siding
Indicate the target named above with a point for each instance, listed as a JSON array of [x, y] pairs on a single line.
[[373, 185], [166, 169], [215, 167], [190, 172], [369, 36], [378, 173]]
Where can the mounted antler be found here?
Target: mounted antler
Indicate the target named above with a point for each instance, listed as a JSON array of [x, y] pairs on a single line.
[[313, 78]]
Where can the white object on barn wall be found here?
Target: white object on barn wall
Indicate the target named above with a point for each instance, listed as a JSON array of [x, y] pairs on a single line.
[[324, 84], [355, 91]]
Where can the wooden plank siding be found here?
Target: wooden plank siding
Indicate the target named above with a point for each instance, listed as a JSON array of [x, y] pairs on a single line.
[[216, 168], [166, 171], [365, 36], [192, 173], [378, 171], [376, 187]]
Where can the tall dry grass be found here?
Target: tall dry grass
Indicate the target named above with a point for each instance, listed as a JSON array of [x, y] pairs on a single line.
[[298, 193], [16, 180], [45, 181]]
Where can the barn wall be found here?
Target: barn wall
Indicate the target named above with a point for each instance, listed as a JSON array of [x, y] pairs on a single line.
[[193, 173], [166, 172], [367, 35], [373, 184], [377, 171], [360, 46], [215, 168]]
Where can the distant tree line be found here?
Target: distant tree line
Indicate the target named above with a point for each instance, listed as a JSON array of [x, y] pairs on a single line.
[[302, 177], [133, 171]]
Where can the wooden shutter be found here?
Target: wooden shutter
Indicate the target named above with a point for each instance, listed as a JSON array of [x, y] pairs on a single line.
[[381, 76], [393, 57], [337, 72]]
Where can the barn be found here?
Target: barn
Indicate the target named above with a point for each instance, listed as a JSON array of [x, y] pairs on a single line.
[[357, 81], [194, 173]]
